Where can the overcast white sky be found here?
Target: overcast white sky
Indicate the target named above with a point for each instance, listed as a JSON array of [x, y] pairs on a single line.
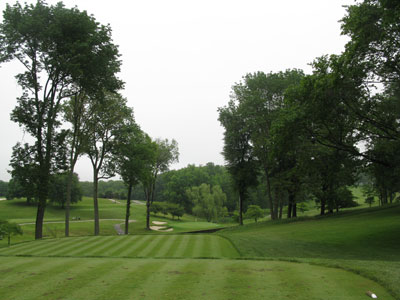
[[181, 57]]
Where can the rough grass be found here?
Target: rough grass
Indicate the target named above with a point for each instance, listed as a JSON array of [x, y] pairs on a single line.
[[114, 278]]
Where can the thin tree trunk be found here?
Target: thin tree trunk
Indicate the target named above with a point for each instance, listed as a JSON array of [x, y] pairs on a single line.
[[271, 207], [280, 208], [68, 201], [128, 209], [96, 204], [240, 208], [148, 214]]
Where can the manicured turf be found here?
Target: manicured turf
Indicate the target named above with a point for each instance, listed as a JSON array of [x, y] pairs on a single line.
[[145, 265], [189, 245], [113, 278], [364, 241], [368, 234]]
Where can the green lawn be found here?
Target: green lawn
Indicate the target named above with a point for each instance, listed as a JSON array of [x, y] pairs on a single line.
[[365, 241], [183, 245], [115, 278], [309, 258], [111, 213]]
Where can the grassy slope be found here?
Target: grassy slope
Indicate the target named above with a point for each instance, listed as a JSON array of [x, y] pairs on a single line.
[[114, 278], [365, 241]]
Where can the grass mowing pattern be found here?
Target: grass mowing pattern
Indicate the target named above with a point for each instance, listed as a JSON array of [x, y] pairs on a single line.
[[195, 245], [118, 278]]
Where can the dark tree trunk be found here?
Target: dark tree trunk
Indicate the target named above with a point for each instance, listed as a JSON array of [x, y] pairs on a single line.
[[280, 208], [323, 202], [291, 210], [294, 209], [39, 219], [128, 209], [148, 214], [96, 204], [68, 202], [270, 201], [241, 198], [42, 198]]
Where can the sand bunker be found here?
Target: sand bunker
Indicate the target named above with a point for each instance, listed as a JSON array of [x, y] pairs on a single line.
[[159, 223], [161, 228]]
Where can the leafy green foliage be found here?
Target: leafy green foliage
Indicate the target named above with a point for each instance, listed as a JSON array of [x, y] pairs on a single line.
[[63, 51], [9, 229], [208, 202], [58, 189], [254, 212]]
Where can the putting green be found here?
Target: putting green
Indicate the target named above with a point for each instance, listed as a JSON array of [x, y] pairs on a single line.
[[124, 278], [182, 245]]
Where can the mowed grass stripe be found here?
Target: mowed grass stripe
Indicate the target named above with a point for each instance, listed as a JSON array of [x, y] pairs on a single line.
[[198, 246], [184, 241], [151, 245], [140, 244], [95, 288], [37, 279], [28, 247], [62, 246], [97, 249], [133, 279], [215, 246], [121, 243], [168, 246], [159, 243], [226, 248], [84, 280], [111, 244], [131, 246], [232, 276], [77, 245], [174, 282], [134, 242]]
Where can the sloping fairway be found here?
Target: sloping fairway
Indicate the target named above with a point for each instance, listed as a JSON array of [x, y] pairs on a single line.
[[184, 245], [118, 278], [371, 234], [364, 241]]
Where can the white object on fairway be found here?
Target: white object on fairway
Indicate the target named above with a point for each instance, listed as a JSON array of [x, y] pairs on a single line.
[[372, 295]]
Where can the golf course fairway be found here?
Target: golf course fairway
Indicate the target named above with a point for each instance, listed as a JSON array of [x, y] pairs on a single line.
[[135, 267], [118, 278]]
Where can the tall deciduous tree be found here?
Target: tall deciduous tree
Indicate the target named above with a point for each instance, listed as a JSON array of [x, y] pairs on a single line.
[[75, 111], [62, 50], [105, 121], [134, 153], [238, 151], [165, 153]]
